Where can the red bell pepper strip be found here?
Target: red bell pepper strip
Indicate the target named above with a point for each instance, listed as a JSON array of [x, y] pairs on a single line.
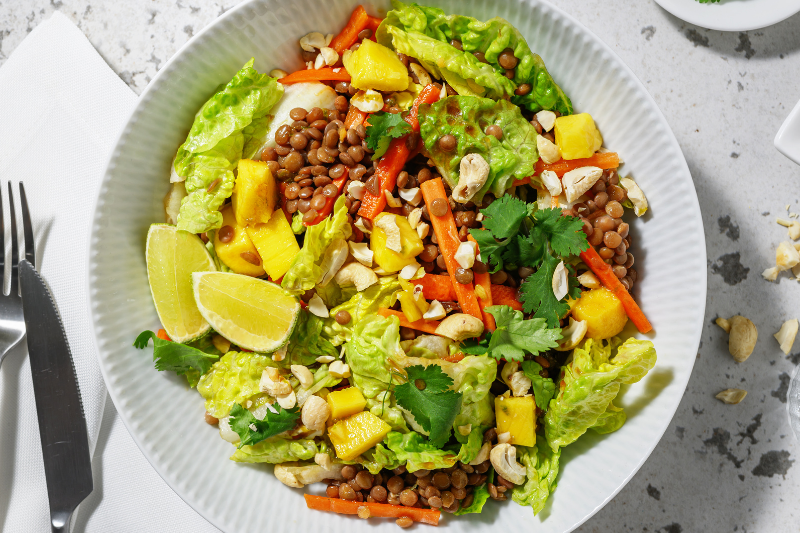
[[320, 74], [359, 21]]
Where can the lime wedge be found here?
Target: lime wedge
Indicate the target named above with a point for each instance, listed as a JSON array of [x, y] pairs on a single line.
[[250, 312], [172, 256]]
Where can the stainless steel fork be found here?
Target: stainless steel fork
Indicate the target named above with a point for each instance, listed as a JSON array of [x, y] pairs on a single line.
[[12, 323]]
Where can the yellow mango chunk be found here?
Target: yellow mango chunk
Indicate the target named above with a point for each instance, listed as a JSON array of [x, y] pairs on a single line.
[[603, 312], [356, 434], [345, 402], [254, 193], [518, 417], [577, 136], [236, 252], [409, 306], [276, 244], [410, 245], [373, 66]]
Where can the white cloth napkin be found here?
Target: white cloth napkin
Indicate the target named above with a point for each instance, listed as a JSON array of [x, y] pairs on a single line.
[[61, 108]]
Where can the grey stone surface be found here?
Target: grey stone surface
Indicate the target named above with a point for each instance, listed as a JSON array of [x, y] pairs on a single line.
[[718, 467]]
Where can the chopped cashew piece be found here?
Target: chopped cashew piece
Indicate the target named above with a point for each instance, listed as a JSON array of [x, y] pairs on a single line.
[[408, 271], [287, 401], [172, 202], [435, 311], [724, 323], [577, 182], [335, 257], [589, 280], [422, 229], [356, 189], [319, 62], [273, 383], [519, 384], [483, 454], [311, 41], [221, 343], [572, 335], [325, 359], [303, 375], [473, 172], [414, 217], [465, 430], [635, 195], [226, 432], [548, 151], [413, 195], [355, 274], [361, 253], [547, 119], [331, 56], [771, 274], [363, 226], [315, 413], [786, 256], [389, 226], [421, 74], [391, 201], [278, 73], [323, 460], [794, 227], [465, 255], [339, 369], [317, 307], [786, 335], [368, 101], [505, 437], [560, 283], [298, 475], [280, 353], [551, 181], [460, 326], [504, 460], [742, 339], [731, 396], [508, 369]]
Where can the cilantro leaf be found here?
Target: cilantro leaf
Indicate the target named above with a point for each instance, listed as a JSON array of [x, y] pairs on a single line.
[[504, 216], [383, 127], [536, 293], [524, 251], [564, 233], [514, 337], [543, 388], [179, 358], [491, 250], [434, 406], [243, 421], [476, 346]]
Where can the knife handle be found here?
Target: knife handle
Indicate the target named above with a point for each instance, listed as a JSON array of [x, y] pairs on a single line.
[[59, 521]]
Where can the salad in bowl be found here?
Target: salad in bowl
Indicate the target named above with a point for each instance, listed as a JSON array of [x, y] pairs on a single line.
[[400, 273]]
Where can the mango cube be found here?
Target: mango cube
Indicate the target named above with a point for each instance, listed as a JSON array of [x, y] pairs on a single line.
[[577, 136], [346, 402], [517, 415], [276, 244], [409, 306], [356, 434], [603, 312], [410, 245], [254, 193], [373, 66], [238, 253]]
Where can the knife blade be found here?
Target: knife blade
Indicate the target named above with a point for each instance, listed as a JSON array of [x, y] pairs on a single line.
[[62, 425]]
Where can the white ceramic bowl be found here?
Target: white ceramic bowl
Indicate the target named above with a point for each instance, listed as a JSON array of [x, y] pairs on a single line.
[[165, 418], [732, 15]]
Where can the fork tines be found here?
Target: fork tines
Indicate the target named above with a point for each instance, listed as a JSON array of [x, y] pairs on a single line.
[[27, 228]]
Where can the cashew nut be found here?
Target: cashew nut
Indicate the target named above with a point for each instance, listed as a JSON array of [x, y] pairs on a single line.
[[460, 326], [414, 217], [287, 401], [280, 354], [589, 280], [303, 375], [504, 437], [368, 101], [317, 307], [389, 226], [731, 396], [361, 253], [356, 189], [310, 41], [504, 459], [519, 384], [413, 195], [771, 274], [548, 151], [221, 343], [787, 334], [560, 283], [547, 119], [339, 369], [465, 254], [172, 202], [273, 383], [226, 432], [421, 74], [743, 336], [315, 413], [551, 181], [483, 454], [572, 335], [298, 474], [473, 172], [577, 182], [330, 55], [323, 460], [786, 256], [422, 229], [635, 195], [508, 369], [724, 323], [356, 274], [435, 311], [409, 271], [794, 227]]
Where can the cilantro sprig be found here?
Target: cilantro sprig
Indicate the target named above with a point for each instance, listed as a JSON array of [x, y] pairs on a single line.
[[543, 388], [383, 127], [513, 337], [428, 397], [536, 292], [251, 430], [180, 358]]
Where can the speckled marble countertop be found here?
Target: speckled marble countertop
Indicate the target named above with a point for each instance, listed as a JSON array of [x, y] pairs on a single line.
[[718, 467]]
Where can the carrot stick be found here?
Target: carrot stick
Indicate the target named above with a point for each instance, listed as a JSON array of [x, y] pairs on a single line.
[[605, 161], [505, 295], [428, 326], [484, 281], [436, 287], [320, 74], [325, 211], [162, 334], [354, 117], [455, 358], [603, 271], [373, 23], [395, 158], [381, 510], [446, 233], [359, 21]]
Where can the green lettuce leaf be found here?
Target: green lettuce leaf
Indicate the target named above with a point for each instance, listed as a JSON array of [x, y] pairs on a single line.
[[480, 497], [375, 340], [222, 131], [322, 379], [611, 420], [361, 305], [466, 117], [543, 388], [590, 382], [541, 463], [232, 379], [490, 38], [376, 459], [276, 450], [414, 450], [307, 342], [470, 444], [306, 269]]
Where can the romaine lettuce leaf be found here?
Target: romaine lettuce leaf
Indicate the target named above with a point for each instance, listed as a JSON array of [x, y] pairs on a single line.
[[480, 497], [590, 382], [467, 117], [306, 269], [232, 379], [374, 342], [414, 450], [276, 450], [376, 459], [221, 132], [611, 419], [541, 463], [307, 342], [360, 305]]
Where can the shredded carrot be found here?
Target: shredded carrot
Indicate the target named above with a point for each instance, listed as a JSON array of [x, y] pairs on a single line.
[[354, 117], [379, 510], [455, 358], [447, 235], [319, 74], [483, 280], [428, 326], [505, 295], [162, 334], [605, 161], [611, 282], [359, 21], [325, 211]]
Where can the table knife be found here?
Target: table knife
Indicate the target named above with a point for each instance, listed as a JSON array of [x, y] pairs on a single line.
[[62, 425]]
